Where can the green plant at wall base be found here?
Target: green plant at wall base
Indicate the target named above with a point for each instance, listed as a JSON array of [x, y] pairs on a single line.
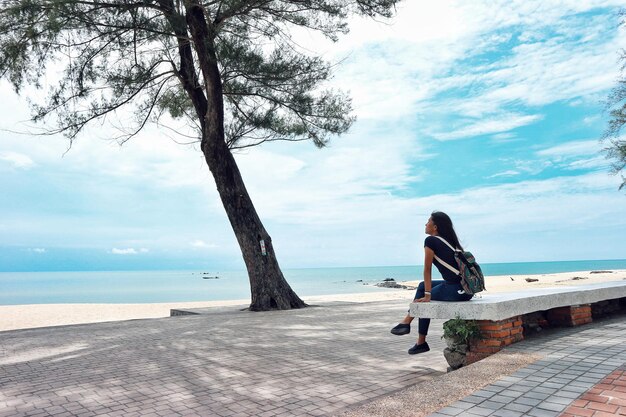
[[462, 330]]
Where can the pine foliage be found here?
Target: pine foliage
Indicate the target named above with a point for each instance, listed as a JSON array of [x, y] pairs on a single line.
[[142, 55], [616, 105]]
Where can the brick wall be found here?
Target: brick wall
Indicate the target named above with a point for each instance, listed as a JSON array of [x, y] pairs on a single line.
[[570, 316], [495, 336]]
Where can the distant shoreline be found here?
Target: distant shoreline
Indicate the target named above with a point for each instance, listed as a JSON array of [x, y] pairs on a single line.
[[143, 287], [488, 265], [14, 317]]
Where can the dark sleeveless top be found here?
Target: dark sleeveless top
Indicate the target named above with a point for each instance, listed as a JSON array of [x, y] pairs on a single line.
[[447, 255]]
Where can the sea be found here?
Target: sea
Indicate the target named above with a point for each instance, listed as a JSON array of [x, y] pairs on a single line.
[[120, 287]]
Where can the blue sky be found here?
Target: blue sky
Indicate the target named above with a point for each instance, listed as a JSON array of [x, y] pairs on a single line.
[[489, 111]]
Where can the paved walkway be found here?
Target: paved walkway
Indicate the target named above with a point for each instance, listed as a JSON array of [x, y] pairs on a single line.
[[606, 397], [311, 362], [318, 361], [576, 377]]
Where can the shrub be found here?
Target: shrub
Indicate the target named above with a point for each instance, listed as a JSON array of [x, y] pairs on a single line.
[[460, 329]]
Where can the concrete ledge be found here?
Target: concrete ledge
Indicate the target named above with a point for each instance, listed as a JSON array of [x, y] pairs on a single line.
[[505, 305], [176, 312]]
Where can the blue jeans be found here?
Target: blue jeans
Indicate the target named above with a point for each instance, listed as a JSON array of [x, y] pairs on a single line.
[[440, 291]]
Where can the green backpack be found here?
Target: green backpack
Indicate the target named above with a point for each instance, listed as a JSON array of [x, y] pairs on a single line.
[[472, 278]]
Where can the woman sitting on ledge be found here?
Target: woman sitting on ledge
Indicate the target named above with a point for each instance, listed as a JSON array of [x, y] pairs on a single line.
[[439, 228]]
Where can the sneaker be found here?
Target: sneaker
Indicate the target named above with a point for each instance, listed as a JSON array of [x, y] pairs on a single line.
[[401, 329], [419, 348]]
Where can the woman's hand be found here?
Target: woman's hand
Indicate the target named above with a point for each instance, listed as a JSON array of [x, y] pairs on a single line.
[[424, 299]]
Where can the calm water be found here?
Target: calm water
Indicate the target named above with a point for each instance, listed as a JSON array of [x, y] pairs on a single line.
[[180, 286]]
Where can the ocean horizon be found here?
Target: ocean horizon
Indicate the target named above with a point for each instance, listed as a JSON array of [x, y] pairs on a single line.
[[121, 287]]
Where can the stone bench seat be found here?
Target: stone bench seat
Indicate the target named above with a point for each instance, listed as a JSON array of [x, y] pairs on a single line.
[[503, 318], [500, 306]]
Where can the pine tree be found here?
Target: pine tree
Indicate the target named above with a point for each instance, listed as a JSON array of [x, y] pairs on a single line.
[[229, 68], [616, 105]]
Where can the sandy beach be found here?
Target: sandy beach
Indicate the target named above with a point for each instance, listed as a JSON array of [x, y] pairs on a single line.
[[15, 317]]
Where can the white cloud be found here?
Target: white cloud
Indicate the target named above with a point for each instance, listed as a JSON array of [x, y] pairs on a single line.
[[17, 160], [554, 219], [202, 244], [549, 71], [321, 186], [496, 124], [37, 250], [509, 173], [128, 251], [420, 56], [574, 148], [503, 137], [402, 57], [592, 120], [541, 220], [583, 154], [597, 163]]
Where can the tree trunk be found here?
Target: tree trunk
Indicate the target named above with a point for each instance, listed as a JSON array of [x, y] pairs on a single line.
[[268, 287]]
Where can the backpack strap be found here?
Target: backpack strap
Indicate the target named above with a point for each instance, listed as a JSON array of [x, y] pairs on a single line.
[[444, 263], [446, 242], [447, 265]]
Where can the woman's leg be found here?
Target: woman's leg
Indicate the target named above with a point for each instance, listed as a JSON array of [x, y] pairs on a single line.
[[423, 322], [404, 326], [440, 292], [419, 293], [449, 292]]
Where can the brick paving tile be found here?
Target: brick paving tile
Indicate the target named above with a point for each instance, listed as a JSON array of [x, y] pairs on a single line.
[[501, 399], [492, 405], [564, 393], [602, 407], [536, 378], [508, 395], [522, 408], [580, 403], [451, 411], [536, 395], [618, 401], [544, 390], [577, 389], [506, 413], [559, 400], [484, 394], [479, 411], [538, 412], [463, 405], [547, 405], [578, 411], [527, 401]]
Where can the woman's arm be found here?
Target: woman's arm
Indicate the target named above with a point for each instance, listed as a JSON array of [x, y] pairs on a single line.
[[428, 268]]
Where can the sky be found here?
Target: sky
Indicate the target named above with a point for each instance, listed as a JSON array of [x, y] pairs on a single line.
[[488, 111]]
